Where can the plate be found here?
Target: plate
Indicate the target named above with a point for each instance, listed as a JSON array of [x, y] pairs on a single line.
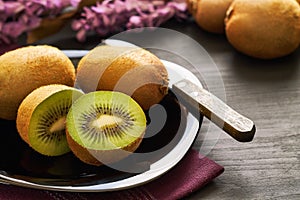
[[20, 165]]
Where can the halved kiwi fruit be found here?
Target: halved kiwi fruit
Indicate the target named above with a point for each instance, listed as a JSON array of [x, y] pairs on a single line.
[[104, 127], [41, 118]]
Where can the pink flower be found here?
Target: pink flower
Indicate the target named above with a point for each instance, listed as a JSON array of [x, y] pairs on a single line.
[[14, 29], [74, 3], [2, 6], [20, 16], [109, 16], [135, 21], [13, 8]]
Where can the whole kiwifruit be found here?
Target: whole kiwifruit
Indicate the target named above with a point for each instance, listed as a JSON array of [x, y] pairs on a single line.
[[41, 118], [209, 14], [27, 68], [131, 70], [264, 29], [104, 127]]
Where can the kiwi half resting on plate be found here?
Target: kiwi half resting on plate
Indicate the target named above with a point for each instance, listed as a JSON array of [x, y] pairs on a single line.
[[104, 127], [41, 118]]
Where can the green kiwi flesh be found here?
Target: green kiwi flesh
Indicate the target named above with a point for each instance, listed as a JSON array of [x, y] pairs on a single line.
[[105, 127], [47, 124], [105, 120]]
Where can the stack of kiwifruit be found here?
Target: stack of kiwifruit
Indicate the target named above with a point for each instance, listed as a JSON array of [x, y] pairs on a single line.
[[263, 29], [96, 111]]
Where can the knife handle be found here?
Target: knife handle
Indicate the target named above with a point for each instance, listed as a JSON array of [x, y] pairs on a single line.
[[236, 125]]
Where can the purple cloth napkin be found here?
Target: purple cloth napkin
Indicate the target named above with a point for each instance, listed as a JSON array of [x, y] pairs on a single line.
[[190, 174]]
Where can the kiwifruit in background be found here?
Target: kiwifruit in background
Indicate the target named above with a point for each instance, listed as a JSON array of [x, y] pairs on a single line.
[[264, 29], [41, 118], [131, 70], [209, 14], [27, 68], [104, 127]]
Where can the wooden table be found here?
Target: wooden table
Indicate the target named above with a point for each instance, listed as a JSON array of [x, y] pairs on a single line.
[[265, 91], [268, 92]]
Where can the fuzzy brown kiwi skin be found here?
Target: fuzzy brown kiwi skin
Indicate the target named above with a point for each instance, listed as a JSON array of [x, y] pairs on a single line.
[[104, 72], [107, 156], [264, 29], [209, 14], [27, 68]]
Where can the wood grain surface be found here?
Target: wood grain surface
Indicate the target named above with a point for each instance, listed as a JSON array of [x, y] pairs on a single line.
[[268, 92]]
